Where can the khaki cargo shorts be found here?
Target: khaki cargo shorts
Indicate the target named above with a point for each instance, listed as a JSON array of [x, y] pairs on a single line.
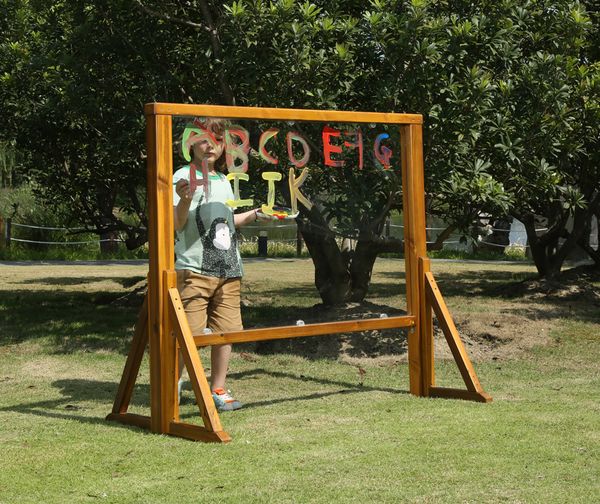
[[210, 302]]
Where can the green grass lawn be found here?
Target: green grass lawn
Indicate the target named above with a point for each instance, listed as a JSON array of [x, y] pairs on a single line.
[[312, 430]]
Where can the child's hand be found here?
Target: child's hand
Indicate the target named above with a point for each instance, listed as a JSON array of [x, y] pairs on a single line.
[[261, 217], [183, 190]]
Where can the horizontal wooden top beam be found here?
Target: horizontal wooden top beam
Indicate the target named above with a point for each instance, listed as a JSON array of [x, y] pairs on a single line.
[[183, 109], [295, 331]]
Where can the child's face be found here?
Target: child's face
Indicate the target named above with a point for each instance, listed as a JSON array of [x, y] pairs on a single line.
[[206, 148]]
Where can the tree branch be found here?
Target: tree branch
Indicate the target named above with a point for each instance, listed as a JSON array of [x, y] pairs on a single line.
[[376, 224], [216, 45], [388, 244], [594, 254], [441, 238], [171, 19]]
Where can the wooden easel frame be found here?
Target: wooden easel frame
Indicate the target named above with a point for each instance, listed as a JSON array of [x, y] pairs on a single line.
[[162, 323]]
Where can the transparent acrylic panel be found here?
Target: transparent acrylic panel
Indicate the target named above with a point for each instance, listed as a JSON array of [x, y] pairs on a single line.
[[340, 179]]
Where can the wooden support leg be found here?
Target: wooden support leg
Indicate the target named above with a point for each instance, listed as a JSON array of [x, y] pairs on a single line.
[[474, 389], [169, 368], [212, 431], [427, 359], [212, 424], [134, 359], [413, 202]]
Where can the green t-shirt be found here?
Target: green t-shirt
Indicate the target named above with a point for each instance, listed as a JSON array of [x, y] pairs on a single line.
[[207, 244]]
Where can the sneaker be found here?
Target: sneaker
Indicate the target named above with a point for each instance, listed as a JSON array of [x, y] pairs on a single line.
[[224, 401]]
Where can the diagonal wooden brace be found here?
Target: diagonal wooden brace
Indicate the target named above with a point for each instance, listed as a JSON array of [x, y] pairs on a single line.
[[134, 360], [474, 389], [193, 364]]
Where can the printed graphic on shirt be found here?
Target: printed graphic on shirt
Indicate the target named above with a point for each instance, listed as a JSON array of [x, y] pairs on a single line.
[[219, 246]]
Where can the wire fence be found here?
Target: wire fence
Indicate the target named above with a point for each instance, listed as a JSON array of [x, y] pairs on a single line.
[[248, 236], [8, 226], [66, 242], [484, 228], [30, 226], [480, 241]]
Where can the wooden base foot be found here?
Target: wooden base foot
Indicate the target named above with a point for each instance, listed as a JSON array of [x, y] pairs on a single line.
[[451, 393], [179, 429], [130, 419], [198, 433]]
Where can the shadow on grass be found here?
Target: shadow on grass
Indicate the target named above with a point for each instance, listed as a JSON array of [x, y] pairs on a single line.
[[86, 319], [377, 289], [124, 282], [490, 284], [77, 392], [364, 344], [80, 320], [343, 387], [486, 283], [370, 343], [71, 321]]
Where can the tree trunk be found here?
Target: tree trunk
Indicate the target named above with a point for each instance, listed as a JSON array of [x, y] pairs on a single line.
[[361, 269], [542, 257], [332, 277], [136, 237], [584, 241], [108, 243], [547, 251], [498, 240], [106, 197], [343, 274]]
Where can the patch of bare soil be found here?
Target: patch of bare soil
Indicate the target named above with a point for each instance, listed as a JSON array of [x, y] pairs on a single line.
[[572, 284], [521, 316], [503, 335], [486, 336]]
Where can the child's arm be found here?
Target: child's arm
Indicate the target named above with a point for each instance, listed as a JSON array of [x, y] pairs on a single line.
[[181, 210], [244, 218]]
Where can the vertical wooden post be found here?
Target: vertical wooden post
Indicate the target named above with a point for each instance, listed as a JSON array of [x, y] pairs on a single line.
[[170, 398], [427, 348], [413, 195], [161, 256]]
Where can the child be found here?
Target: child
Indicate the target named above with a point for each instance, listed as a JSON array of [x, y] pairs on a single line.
[[209, 266]]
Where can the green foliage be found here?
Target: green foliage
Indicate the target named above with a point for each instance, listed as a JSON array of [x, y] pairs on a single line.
[[515, 253], [274, 249], [509, 254], [21, 204], [87, 252], [509, 91], [9, 176]]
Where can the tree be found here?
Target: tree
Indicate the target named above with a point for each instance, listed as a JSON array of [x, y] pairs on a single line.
[[514, 110], [542, 139], [509, 91], [75, 101], [387, 58]]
